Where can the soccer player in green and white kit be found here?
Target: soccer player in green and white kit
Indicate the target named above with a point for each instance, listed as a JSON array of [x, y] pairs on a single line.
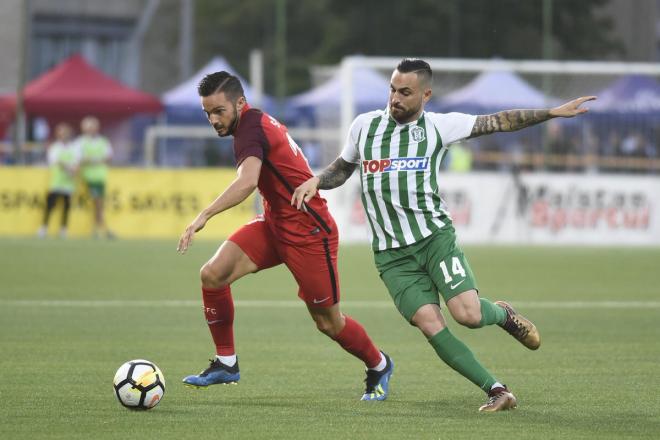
[[398, 152]]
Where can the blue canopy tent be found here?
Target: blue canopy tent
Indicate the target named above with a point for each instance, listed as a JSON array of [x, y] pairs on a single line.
[[626, 109], [370, 91], [182, 104], [183, 107], [494, 91], [630, 94]]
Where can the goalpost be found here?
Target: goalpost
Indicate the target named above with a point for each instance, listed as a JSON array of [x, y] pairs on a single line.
[[560, 79], [201, 132], [459, 65]]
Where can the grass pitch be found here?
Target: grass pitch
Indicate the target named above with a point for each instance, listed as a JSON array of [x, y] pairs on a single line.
[[71, 312]]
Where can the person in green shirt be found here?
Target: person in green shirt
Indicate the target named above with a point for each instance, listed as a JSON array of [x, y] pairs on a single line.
[[63, 159], [460, 158], [397, 152], [95, 155]]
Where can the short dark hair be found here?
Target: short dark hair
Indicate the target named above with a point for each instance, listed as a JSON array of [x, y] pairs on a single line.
[[221, 82], [418, 66]]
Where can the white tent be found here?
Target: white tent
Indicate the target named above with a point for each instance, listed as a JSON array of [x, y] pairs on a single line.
[[370, 91], [494, 91]]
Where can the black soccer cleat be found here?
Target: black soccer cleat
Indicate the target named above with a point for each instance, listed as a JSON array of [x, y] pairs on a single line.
[[378, 382]]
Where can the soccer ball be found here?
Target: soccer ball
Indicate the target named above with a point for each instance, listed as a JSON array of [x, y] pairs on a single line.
[[139, 384]]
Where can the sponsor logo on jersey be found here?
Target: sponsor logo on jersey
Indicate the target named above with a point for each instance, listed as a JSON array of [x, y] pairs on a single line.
[[398, 164]]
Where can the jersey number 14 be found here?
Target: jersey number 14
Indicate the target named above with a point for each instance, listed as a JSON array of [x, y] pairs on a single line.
[[456, 269]]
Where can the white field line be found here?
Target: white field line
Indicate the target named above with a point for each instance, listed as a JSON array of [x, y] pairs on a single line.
[[297, 303]]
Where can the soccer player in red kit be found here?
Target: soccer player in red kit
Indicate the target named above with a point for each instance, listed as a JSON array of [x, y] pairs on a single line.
[[269, 159]]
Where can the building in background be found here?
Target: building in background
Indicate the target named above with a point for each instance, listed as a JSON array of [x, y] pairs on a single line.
[[149, 43], [145, 44], [134, 41]]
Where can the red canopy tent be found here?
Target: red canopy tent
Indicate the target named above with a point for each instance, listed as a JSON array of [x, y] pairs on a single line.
[[74, 89], [6, 114]]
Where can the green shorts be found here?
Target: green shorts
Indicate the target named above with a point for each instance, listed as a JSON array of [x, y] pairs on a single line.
[[96, 189], [416, 273]]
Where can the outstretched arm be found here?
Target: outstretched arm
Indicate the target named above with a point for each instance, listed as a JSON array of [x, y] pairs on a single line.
[[333, 176], [512, 120]]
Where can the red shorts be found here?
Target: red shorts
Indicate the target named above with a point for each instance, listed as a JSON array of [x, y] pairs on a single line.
[[313, 265]]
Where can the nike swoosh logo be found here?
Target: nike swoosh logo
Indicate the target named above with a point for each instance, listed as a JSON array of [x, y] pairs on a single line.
[[213, 322], [453, 286], [319, 301]]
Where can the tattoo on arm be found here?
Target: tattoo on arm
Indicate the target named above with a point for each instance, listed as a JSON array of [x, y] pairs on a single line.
[[336, 174], [509, 120]]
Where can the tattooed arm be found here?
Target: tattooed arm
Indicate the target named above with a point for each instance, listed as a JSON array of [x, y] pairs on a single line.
[[508, 120], [512, 120], [336, 174], [333, 176]]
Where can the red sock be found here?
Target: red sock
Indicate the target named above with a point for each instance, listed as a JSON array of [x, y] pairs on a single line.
[[354, 339], [219, 312]]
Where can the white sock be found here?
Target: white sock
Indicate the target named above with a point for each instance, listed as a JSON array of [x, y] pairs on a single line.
[[381, 365], [229, 361], [496, 385]]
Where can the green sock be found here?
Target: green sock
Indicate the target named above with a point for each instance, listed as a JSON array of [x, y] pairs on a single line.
[[459, 357], [491, 313]]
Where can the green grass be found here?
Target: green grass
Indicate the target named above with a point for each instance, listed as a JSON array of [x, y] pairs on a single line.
[[596, 375]]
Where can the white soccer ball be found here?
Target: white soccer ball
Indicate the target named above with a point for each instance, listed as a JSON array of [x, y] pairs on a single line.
[[139, 384]]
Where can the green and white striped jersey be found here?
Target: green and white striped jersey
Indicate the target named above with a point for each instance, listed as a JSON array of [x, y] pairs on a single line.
[[399, 166]]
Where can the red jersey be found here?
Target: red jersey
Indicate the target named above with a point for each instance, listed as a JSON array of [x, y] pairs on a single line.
[[283, 169]]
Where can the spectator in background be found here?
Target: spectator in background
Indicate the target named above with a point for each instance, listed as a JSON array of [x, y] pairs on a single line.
[[63, 159], [609, 149], [490, 153], [589, 150], [631, 146], [636, 146], [611, 144], [654, 142], [460, 158], [559, 147], [95, 155]]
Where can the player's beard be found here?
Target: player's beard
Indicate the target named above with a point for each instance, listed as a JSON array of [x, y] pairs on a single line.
[[404, 116], [231, 128]]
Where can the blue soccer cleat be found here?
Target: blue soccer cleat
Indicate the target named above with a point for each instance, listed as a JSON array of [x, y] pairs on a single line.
[[216, 373], [378, 382]]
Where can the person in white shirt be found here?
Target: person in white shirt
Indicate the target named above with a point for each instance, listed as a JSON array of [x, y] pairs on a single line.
[[63, 159]]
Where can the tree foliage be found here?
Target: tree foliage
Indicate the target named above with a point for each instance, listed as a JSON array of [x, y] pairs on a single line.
[[324, 31]]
